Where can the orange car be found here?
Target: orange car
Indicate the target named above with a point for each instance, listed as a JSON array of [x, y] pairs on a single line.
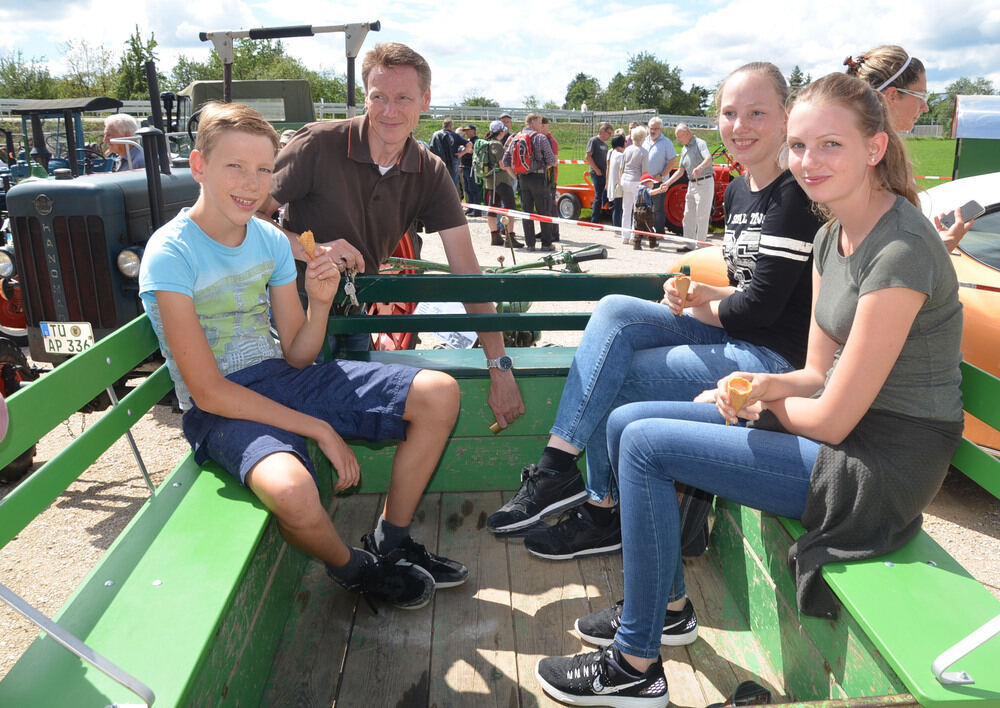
[[976, 261]]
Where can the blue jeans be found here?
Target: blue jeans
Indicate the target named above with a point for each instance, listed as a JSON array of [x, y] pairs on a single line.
[[636, 350], [654, 445], [472, 194], [600, 195], [616, 211]]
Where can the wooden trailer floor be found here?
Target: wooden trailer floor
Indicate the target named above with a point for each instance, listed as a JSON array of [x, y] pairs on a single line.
[[477, 645]]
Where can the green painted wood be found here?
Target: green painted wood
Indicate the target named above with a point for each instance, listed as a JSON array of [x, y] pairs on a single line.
[[817, 659], [526, 321], [887, 595], [470, 363], [978, 465], [34, 494], [537, 286], [980, 393], [161, 633], [43, 404]]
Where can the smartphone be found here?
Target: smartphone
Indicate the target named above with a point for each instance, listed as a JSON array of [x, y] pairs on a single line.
[[970, 210]]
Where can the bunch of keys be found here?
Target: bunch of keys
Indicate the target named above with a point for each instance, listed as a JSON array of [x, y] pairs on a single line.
[[349, 288]]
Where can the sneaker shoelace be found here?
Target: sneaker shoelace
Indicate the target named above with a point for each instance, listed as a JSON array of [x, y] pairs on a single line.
[[529, 480], [380, 580]]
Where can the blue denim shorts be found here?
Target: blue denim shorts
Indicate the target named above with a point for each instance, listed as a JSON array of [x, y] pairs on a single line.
[[359, 399]]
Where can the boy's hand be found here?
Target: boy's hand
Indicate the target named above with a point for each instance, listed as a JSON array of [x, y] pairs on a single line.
[[342, 458], [322, 276]]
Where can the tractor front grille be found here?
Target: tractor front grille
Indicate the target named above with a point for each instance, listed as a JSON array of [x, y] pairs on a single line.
[[65, 271]]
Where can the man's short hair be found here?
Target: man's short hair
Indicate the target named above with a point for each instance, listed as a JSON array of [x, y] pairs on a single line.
[[122, 123], [681, 126], [390, 54], [655, 120], [532, 117], [545, 120], [219, 118], [606, 126], [447, 124]]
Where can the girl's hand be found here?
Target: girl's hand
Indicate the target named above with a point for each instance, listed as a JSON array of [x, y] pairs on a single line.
[[753, 406], [696, 295], [342, 458], [951, 235]]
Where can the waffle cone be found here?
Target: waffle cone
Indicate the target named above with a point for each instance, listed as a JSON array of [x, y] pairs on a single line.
[[682, 283], [308, 243], [739, 391]]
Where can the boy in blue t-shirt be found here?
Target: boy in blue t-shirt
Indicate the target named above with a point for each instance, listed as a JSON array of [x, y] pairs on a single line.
[[209, 279]]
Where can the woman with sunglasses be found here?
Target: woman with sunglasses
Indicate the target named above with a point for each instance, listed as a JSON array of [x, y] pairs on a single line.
[[902, 79]]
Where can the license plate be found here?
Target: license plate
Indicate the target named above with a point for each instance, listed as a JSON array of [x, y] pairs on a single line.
[[67, 337]]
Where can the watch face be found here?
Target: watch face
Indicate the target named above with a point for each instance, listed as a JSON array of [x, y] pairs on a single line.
[[504, 363]]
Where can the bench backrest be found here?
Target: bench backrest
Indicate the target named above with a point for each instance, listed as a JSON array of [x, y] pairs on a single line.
[[980, 398], [39, 407]]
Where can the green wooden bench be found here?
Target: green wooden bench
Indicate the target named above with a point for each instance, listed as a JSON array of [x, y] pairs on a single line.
[[191, 597]]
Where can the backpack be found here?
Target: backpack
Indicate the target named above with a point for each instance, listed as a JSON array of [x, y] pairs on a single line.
[[521, 153], [482, 158]]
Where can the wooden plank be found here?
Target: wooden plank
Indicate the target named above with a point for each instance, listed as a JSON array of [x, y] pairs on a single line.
[[546, 597], [388, 657], [473, 656], [307, 665]]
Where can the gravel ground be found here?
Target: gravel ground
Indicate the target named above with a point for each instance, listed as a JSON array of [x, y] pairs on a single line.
[[53, 554]]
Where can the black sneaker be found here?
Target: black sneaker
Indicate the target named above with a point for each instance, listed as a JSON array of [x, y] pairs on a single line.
[[679, 628], [598, 679], [575, 535], [542, 493], [393, 580], [446, 572]]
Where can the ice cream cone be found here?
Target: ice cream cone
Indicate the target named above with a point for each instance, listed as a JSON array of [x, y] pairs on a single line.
[[308, 243], [739, 391], [682, 283]]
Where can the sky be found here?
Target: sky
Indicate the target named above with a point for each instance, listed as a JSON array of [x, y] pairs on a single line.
[[536, 48]]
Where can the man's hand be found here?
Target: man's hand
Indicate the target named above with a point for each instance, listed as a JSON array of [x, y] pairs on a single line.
[[505, 397], [344, 255]]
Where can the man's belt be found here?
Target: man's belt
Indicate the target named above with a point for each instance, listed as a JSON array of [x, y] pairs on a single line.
[[699, 179]]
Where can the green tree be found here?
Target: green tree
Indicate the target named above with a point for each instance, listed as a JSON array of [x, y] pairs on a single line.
[[550, 106], [797, 80], [942, 106], [531, 102], [582, 89], [331, 87], [475, 100], [21, 79], [651, 83], [131, 80], [187, 70], [90, 70]]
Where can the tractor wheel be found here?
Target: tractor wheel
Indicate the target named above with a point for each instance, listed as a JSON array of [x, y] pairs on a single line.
[[13, 370], [396, 341], [673, 206], [569, 206]]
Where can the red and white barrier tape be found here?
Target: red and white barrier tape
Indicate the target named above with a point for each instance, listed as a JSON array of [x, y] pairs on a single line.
[[944, 179], [574, 222], [979, 286], [572, 162]]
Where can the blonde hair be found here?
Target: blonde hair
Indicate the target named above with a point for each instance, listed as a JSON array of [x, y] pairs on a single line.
[[390, 54], [871, 111], [765, 69], [218, 118], [879, 66], [638, 135]]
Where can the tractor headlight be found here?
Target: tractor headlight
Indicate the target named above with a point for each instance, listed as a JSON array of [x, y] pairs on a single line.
[[7, 266], [128, 262]]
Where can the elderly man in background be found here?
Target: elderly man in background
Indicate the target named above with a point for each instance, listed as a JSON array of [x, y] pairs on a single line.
[[662, 159], [696, 163], [127, 156]]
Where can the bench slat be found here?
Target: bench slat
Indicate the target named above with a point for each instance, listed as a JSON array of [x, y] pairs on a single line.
[[66, 389], [980, 394], [470, 363], [44, 486], [536, 286]]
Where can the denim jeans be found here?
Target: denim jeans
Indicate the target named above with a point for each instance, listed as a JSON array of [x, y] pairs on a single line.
[[654, 445], [600, 196], [616, 211], [636, 350]]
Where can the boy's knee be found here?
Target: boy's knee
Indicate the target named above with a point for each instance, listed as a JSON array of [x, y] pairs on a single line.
[[285, 486], [435, 393]]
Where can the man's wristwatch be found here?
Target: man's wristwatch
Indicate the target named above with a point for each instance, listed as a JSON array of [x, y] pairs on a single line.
[[504, 363]]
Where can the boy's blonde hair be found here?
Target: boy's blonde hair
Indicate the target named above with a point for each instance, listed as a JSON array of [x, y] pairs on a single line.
[[219, 118]]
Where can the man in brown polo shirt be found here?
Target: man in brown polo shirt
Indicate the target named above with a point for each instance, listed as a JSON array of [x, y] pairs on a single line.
[[358, 184]]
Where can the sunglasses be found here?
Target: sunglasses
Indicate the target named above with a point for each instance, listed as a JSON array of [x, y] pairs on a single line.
[[922, 95]]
